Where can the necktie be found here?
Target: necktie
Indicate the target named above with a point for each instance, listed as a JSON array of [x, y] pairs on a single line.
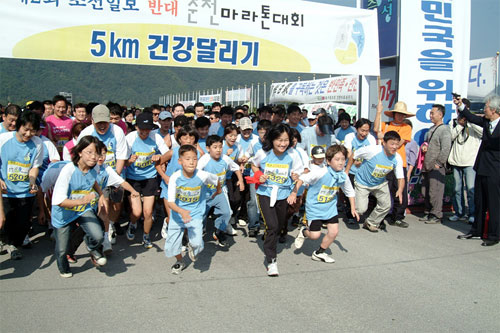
[[491, 128]]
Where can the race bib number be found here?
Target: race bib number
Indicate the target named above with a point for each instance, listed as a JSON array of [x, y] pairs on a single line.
[[188, 194], [110, 159], [17, 172], [143, 159], [277, 173], [222, 179], [381, 171], [327, 193], [76, 195]]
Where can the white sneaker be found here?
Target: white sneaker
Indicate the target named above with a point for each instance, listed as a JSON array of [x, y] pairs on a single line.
[[322, 257], [191, 254], [231, 231], [299, 240], [164, 229], [272, 269], [112, 234], [106, 246], [242, 223], [66, 275]]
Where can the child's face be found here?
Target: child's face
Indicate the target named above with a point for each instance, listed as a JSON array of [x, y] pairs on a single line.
[[188, 161], [262, 134], [203, 131], [246, 133], [215, 150], [231, 138], [187, 140], [391, 146], [280, 144], [318, 161], [101, 158], [363, 131], [344, 124], [337, 162]]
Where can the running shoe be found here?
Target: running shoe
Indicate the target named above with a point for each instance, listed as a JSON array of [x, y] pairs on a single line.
[[146, 242], [322, 257], [178, 267], [66, 274], [97, 258], [131, 231], [220, 238], [272, 268], [455, 218], [299, 240], [71, 258], [242, 223], [231, 231], [14, 252]]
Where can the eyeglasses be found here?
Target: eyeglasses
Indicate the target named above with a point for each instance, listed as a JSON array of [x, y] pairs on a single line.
[[156, 114]]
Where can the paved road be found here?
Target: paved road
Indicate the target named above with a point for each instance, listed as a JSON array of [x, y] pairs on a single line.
[[416, 279]]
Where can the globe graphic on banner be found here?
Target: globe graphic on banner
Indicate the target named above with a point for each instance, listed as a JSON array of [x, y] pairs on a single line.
[[349, 42]]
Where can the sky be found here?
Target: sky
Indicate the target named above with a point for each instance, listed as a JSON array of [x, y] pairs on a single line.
[[485, 25]]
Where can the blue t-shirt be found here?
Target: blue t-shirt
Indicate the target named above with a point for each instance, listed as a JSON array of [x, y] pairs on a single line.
[[311, 139], [50, 153], [143, 167], [321, 198], [340, 133], [190, 193], [217, 167], [245, 144], [115, 142], [353, 143], [71, 184], [16, 160], [233, 156], [376, 165], [203, 144], [279, 170]]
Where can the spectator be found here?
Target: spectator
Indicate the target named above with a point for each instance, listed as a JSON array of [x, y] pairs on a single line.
[[436, 154]]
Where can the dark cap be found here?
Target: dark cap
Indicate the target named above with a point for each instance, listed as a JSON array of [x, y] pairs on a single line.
[[145, 120], [318, 152], [325, 125]]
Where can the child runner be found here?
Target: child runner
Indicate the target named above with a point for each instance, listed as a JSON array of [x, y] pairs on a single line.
[[145, 150], [185, 136], [321, 201], [353, 141], [233, 150], [72, 203], [274, 166], [187, 200], [377, 162], [21, 155], [252, 207], [202, 125], [216, 163]]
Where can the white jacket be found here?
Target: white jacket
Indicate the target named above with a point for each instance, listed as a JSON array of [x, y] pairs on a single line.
[[465, 144]]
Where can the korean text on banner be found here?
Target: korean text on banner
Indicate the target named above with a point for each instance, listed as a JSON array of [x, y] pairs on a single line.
[[282, 35], [435, 38], [209, 99], [482, 77], [334, 89]]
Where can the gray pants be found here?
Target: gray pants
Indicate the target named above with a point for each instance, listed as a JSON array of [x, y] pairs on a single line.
[[381, 193], [433, 189]]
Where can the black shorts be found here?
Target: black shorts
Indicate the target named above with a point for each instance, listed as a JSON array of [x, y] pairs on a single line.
[[146, 187], [315, 225], [114, 194]]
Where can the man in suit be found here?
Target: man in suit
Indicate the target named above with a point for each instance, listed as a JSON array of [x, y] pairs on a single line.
[[487, 166]]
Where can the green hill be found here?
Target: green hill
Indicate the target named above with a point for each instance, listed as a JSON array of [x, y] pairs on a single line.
[[24, 80]]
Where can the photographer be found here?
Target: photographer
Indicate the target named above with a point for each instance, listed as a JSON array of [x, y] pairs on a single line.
[[466, 138]]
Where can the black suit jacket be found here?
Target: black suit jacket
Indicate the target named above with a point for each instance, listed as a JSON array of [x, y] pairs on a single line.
[[488, 157]]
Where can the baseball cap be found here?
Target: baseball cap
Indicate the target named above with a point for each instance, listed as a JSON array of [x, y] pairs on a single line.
[[318, 152], [325, 125], [245, 123], [145, 120], [100, 113], [165, 115]]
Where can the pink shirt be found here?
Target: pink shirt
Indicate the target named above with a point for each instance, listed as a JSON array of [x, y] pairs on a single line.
[[60, 129]]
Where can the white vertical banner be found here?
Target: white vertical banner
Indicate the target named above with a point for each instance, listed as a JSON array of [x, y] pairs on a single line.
[[434, 57]]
